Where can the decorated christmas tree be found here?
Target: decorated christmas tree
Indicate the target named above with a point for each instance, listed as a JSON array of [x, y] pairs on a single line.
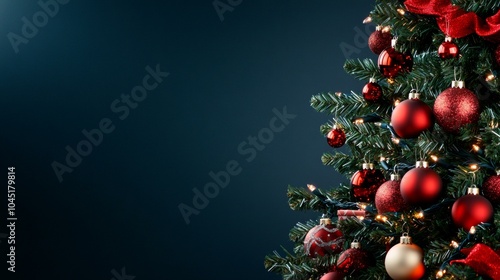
[[424, 192]]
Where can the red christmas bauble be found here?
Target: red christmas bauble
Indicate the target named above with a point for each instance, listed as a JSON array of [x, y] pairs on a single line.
[[388, 197], [471, 210], [497, 54], [421, 185], [353, 258], [379, 40], [392, 63], [411, 117], [372, 92], [336, 137], [448, 49], [365, 183], [334, 275], [491, 188], [456, 107], [323, 239]]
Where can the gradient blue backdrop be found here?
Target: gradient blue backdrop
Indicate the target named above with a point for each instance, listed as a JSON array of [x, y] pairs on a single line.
[[119, 207]]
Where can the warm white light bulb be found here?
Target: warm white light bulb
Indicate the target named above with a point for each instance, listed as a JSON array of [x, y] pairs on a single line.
[[311, 187]]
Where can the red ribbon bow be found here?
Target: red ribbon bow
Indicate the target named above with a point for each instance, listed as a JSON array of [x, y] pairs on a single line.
[[483, 260], [460, 22]]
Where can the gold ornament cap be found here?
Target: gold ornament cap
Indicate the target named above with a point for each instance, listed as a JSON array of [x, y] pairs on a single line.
[[447, 39], [373, 80], [355, 244], [368, 166], [325, 221], [395, 177], [458, 84], [405, 239], [473, 191], [422, 164], [337, 126], [378, 28]]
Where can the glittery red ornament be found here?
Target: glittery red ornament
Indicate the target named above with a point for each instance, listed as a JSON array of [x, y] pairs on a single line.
[[354, 258], [336, 137], [421, 185], [412, 116], [392, 63], [448, 49], [471, 210], [388, 197], [456, 107], [491, 189], [372, 92], [365, 183], [379, 40], [334, 275], [497, 54], [323, 239]]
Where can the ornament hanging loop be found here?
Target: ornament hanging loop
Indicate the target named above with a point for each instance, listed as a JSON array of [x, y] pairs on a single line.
[[405, 233]]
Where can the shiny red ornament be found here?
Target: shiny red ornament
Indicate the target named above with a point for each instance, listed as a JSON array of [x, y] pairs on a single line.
[[456, 107], [323, 239], [388, 197], [483, 260], [392, 63], [336, 137], [448, 49], [365, 182], [353, 258], [471, 210], [379, 40], [491, 189], [411, 117], [372, 92], [421, 185], [334, 275]]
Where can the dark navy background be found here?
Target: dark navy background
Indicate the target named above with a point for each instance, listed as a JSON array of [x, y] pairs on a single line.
[[119, 207]]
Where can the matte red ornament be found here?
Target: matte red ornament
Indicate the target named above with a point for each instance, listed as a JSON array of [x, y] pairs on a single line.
[[323, 239], [334, 275], [491, 189], [456, 107], [421, 185], [388, 197], [379, 40], [411, 117], [372, 92], [448, 49], [392, 63], [336, 137], [365, 182], [471, 210], [352, 259]]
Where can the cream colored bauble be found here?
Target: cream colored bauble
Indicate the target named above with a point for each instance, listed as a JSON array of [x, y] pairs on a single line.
[[404, 261]]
